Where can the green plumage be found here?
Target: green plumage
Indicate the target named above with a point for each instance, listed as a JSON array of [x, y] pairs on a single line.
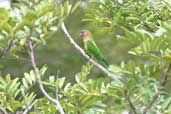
[[93, 50]]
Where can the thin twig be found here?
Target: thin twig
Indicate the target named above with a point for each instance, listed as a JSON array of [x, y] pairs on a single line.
[[57, 88], [9, 46], [30, 106], [33, 62], [81, 50], [162, 84], [149, 105], [164, 81], [129, 101]]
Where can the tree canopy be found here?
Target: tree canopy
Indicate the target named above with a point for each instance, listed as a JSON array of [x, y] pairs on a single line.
[[44, 68]]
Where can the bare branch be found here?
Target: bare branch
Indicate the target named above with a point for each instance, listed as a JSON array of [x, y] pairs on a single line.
[[149, 105], [129, 101], [164, 81], [162, 84], [30, 106], [81, 50], [33, 62]]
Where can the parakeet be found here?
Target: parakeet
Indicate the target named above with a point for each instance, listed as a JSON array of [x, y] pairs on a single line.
[[91, 48]]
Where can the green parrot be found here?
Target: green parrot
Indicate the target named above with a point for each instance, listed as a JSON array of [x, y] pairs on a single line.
[[92, 49]]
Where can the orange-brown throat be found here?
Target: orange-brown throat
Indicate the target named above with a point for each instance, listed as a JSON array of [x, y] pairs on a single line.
[[85, 36]]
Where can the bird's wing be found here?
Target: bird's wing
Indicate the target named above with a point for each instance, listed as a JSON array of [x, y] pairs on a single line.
[[94, 50]]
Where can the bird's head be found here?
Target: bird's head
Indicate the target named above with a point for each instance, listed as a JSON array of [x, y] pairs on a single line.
[[85, 33]]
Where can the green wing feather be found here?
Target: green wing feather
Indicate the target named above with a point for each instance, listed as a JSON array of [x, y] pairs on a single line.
[[94, 50]]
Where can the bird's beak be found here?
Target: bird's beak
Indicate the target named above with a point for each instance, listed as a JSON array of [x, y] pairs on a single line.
[[81, 34]]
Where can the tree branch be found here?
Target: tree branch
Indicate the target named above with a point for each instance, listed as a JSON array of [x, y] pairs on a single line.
[[68, 36], [33, 62], [162, 84], [164, 81], [129, 101], [30, 107]]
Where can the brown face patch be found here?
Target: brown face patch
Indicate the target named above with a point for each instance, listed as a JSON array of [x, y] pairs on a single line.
[[85, 34]]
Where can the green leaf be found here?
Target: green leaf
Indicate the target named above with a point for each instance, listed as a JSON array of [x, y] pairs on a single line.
[[25, 83], [27, 78], [4, 15], [32, 75], [29, 98], [166, 103], [75, 6], [43, 70], [60, 82], [67, 7]]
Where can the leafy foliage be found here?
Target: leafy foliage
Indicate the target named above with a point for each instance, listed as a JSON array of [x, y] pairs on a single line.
[[143, 24], [34, 20], [11, 94]]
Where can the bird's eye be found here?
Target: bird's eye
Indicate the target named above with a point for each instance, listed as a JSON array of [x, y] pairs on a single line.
[[82, 33]]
